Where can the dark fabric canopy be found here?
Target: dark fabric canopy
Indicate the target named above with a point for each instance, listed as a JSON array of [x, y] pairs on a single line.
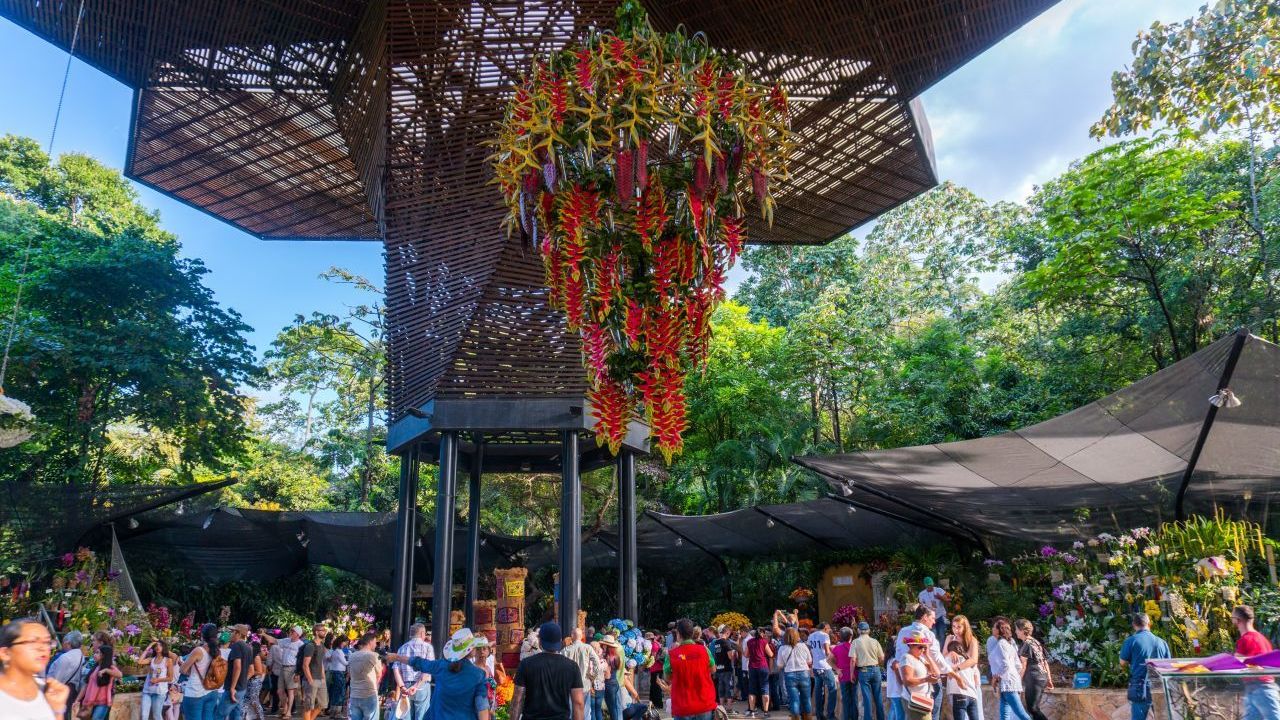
[[1114, 463], [259, 545]]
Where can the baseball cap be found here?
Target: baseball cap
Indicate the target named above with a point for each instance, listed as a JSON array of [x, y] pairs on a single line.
[[928, 582], [863, 625], [550, 637]]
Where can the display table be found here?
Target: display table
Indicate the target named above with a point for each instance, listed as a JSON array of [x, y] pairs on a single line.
[[1212, 687]]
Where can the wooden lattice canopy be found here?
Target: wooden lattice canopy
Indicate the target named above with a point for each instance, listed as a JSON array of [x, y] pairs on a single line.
[[328, 119]]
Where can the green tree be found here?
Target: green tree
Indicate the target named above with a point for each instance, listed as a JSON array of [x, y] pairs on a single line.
[[336, 364], [1216, 71], [115, 329], [1129, 229]]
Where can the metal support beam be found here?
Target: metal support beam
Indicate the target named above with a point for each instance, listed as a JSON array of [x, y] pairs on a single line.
[[473, 531], [406, 536], [446, 500], [628, 591], [1224, 382], [570, 532]]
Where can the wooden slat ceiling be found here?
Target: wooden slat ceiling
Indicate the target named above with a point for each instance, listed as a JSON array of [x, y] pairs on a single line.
[[365, 120]]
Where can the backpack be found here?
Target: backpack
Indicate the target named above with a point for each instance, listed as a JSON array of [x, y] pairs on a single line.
[[216, 674]]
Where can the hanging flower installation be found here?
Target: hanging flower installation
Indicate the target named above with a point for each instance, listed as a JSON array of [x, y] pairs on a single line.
[[628, 162]]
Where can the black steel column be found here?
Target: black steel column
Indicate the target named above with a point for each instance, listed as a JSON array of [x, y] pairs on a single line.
[[442, 583], [406, 536], [570, 532], [1224, 382], [628, 595], [473, 531]]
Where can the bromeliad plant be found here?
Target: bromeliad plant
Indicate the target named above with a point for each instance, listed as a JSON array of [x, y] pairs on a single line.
[[629, 161]]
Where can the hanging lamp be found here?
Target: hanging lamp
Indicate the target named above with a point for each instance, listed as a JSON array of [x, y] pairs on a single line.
[[17, 423]]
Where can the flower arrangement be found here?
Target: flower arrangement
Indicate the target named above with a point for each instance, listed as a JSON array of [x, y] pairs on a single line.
[[629, 162], [350, 621], [801, 595], [848, 616], [731, 620], [83, 596], [1185, 575], [506, 688]]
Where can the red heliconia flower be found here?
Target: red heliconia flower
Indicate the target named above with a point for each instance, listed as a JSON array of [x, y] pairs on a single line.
[[724, 94], [597, 345], [689, 260], [618, 49], [697, 209], [666, 267], [663, 336], [624, 176], [651, 215], [611, 408], [559, 98], [778, 98], [633, 321], [642, 165], [575, 299], [582, 70], [607, 280], [701, 177], [759, 183], [734, 235]]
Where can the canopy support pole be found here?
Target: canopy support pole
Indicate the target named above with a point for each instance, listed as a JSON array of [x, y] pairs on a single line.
[[628, 592], [1224, 381], [570, 532], [790, 526], [724, 568], [886, 496], [473, 531], [446, 502], [406, 536]]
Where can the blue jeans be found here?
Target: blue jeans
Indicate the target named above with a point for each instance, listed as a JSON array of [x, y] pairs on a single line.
[[798, 686], [101, 712], [420, 702], [364, 708], [824, 694], [1261, 701], [1138, 710], [869, 684], [1011, 706], [849, 701], [201, 708], [964, 707], [228, 710], [613, 698], [595, 706], [897, 709], [938, 692], [778, 689]]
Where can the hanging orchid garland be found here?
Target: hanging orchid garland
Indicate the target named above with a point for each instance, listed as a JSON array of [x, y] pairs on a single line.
[[628, 161]]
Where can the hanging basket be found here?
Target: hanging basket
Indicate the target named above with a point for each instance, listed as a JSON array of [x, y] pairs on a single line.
[[630, 162], [17, 424]]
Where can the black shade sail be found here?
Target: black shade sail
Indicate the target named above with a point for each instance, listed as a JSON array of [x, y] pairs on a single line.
[[1115, 463]]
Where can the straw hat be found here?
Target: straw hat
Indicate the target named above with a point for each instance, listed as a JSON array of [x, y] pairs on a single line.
[[611, 641], [459, 644]]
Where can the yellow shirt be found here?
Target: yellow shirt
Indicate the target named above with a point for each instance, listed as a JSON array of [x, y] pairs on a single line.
[[868, 651]]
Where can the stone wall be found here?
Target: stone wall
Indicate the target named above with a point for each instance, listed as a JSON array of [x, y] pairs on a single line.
[[1071, 704]]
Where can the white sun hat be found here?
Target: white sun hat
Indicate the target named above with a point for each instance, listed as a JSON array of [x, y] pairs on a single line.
[[460, 643]]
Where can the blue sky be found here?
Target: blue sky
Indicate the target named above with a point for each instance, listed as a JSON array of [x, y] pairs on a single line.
[[1014, 117]]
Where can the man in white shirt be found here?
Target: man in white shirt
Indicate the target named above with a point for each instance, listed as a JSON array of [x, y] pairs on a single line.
[[924, 623], [935, 598], [824, 680], [415, 684], [66, 668], [287, 679]]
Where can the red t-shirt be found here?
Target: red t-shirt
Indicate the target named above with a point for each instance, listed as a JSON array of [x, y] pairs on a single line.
[[692, 692], [756, 657], [1251, 644]]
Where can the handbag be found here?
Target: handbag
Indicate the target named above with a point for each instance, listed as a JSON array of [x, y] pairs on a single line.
[[921, 703]]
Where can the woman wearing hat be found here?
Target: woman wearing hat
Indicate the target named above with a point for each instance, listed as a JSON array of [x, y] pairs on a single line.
[[461, 688], [918, 677], [613, 680]]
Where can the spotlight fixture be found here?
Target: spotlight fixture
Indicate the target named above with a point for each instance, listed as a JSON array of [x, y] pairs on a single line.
[[133, 523], [484, 541], [679, 542], [852, 509], [208, 519], [417, 543], [769, 523], [181, 509], [1224, 398], [846, 490]]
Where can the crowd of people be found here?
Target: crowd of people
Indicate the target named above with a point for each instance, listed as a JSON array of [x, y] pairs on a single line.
[[809, 673]]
